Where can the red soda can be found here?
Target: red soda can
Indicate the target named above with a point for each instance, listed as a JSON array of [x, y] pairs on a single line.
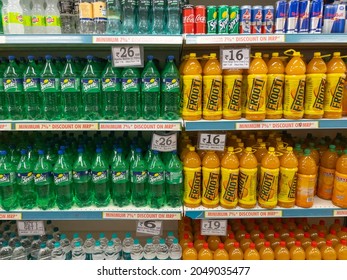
[[200, 19], [188, 19]]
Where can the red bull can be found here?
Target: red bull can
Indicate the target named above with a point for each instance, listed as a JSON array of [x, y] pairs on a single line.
[[280, 16], [334, 18], [316, 16], [256, 19], [245, 19], [268, 19], [292, 23], [304, 16]]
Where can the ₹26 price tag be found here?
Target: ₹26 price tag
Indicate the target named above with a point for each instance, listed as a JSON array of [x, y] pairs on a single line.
[[164, 142], [127, 56], [211, 141], [149, 227], [30, 228], [214, 227], [235, 58]]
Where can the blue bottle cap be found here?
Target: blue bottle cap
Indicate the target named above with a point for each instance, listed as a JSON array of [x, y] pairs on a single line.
[[31, 57], [170, 57], [97, 243], [109, 57], [3, 153], [11, 57], [175, 241], [174, 152], [149, 241], [60, 152], [150, 57], [162, 241], [77, 244], [102, 235], [98, 150], [62, 236], [127, 235], [69, 57], [90, 57], [23, 152], [110, 243], [119, 150], [114, 235], [4, 243], [42, 245], [48, 57], [89, 235], [155, 152], [56, 244], [136, 242], [80, 150], [138, 150], [41, 152], [170, 233]]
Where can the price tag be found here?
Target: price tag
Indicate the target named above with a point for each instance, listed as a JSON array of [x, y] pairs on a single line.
[[131, 55], [210, 141], [214, 227], [30, 228], [164, 142], [235, 58], [149, 227]]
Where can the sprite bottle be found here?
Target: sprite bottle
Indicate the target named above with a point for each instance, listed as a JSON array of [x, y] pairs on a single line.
[[138, 179], [8, 188], [131, 93], [3, 99], [174, 181], [156, 182]]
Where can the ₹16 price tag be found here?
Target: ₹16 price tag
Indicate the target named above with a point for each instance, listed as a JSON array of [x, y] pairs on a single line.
[[149, 227], [127, 56], [30, 228], [164, 142], [214, 227], [235, 58], [210, 141]]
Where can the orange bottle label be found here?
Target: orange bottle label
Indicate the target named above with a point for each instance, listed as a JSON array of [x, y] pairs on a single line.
[[339, 196], [325, 182], [287, 184], [192, 95], [229, 181], [212, 94], [86, 10], [248, 186], [305, 190], [268, 186], [210, 186], [334, 92], [314, 94], [232, 91], [99, 9], [244, 94], [275, 87], [256, 94], [294, 95], [192, 186]]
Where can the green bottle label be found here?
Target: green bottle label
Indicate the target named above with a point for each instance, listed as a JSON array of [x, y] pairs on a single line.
[[25, 178], [15, 18], [31, 84], [42, 177], [130, 85], [70, 84], [52, 20], [7, 178], [171, 85], [139, 177], [2, 88], [13, 85], [111, 84], [81, 176], [99, 176], [91, 85], [156, 177], [38, 20], [120, 176], [49, 85], [60, 178], [27, 20], [175, 177], [151, 84]]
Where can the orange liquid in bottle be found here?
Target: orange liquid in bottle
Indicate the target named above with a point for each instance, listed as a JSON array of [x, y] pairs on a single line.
[[190, 252], [281, 252], [235, 253], [332, 237], [312, 252], [229, 242], [290, 241], [199, 243], [266, 252], [260, 241], [205, 253], [297, 252], [328, 252], [275, 240], [245, 241], [232, 91], [185, 241], [220, 253], [339, 195], [210, 177], [336, 225], [255, 233], [251, 253], [320, 240], [306, 241], [213, 242], [341, 250], [343, 233]]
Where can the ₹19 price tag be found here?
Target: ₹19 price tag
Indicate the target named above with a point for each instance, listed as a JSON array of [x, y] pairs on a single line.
[[235, 58], [149, 227], [124, 56], [30, 228], [214, 227], [164, 142], [211, 141]]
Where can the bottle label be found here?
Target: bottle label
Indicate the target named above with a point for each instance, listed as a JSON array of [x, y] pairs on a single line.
[[31, 84], [156, 178], [212, 95], [256, 94], [49, 85], [339, 196], [52, 21], [229, 187], [80, 176], [120, 176], [7, 178], [192, 186], [2, 85], [314, 94], [170, 85], [60, 178], [158, 2], [99, 10], [174, 177], [294, 94], [13, 85], [99, 176], [192, 96], [150, 85], [38, 21], [85, 11], [334, 92], [27, 20], [138, 177], [232, 89], [287, 184], [325, 182], [268, 186], [130, 85], [173, 3], [70, 85], [111, 84], [210, 186], [275, 88], [247, 186], [25, 178], [91, 85], [144, 3], [305, 190], [42, 177], [15, 18]]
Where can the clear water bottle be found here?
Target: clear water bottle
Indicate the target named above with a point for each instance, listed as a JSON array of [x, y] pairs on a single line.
[[136, 251], [129, 17], [38, 17], [127, 244], [175, 250], [114, 14], [144, 17], [110, 251], [117, 245], [173, 25], [19, 252], [13, 240], [52, 17], [149, 252], [50, 242], [66, 245], [56, 233], [26, 6], [98, 252], [103, 240], [169, 238], [58, 252], [159, 17], [76, 238], [44, 252], [5, 251], [156, 241], [86, 19], [100, 18], [26, 243], [35, 247], [67, 16], [88, 245], [14, 14], [78, 252], [162, 250]]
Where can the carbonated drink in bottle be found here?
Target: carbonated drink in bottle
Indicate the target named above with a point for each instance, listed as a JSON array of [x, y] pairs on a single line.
[[99, 16], [8, 187], [113, 14], [129, 24], [3, 99], [52, 17], [339, 196], [190, 252], [159, 17], [173, 25], [26, 6], [131, 93], [174, 181], [86, 18], [138, 179], [15, 24], [38, 22], [205, 253], [232, 90], [251, 253], [156, 182], [144, 17], [210, 180]]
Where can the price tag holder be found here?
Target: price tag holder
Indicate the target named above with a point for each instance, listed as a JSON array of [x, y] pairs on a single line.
[[164, 142], [30, 228], [149, 227], [214, 227], [212, 141], [130, 55], [235, 58]]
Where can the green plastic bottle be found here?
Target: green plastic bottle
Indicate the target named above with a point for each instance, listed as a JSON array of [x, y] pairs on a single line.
[[131, 93], [174, 181], [156, 182], [3, 99], [8, 187], [138, 179]]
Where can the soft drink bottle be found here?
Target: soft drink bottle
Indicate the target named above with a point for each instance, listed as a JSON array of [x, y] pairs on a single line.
[[339, 195], [341, 250], [170, 91], [192, 89], [266, 252], [27, 195], [328, 252], [315, 87], [90, 82], [212, 89], [100, 17], [62, 173], [114, 15], [8, 187], [138, 179], [120, 185], [294, 87], [174, 181], [173, 25], [129, 19], [256, 92], [86, 18], [159, 16], [336, 75], [43, 181], [50, 87], [52, 17], [111, 87], [150, 91], [275, 87], [70, 83], [251, 253], [3, 99], [26, 6], [156, 182], [205, 253], [210, 180], [15, 24], [131, 93], [144, 18], [281, 252], [13, 86], [190, 252], [232, 87], [38, 22], [82, 180]]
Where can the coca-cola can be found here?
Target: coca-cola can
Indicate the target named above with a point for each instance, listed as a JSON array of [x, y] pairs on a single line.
[[188, 19], [200, 19]]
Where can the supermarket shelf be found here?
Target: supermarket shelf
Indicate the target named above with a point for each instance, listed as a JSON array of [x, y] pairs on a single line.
[[316, 38], [321, 208]]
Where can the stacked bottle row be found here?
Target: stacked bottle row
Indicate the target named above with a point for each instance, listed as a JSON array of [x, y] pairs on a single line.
[[262, 239], [49, 171], [73, 89], [266, 171], [267, 90]]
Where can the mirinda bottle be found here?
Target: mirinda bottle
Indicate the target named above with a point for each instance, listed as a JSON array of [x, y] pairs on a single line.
[[210, 180], [294, 87], [212, 89], [336, 75], [248, 179], [192, 89], [229, 179], [192, 179], [256, 91], [251, 253], [235, 252], [232, 92], [327, 173], [307, 174], [288, 179], [339, 196], [205, 253], [275, 87], [220, 253], [268, 184], [190, 252], [315, 87], [312, 252], [266, 252]]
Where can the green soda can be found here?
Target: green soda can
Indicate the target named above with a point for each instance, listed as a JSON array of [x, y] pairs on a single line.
[[234, 19], [212, 20], [223, 19]]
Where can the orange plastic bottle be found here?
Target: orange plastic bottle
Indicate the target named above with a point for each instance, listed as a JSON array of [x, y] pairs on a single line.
[[341, 250], [260, 241], [306, 240], [205, 253], [294, 87], [229, 179], [320, 240], [213, 242], [315, 87], [290, 240], [275, 87], [251, 253], [342, 234], [255, 232], [190, 252], [339, 196], [185, 241], [245, 241], [192, 89], [299, 232], [248, 179], [336, 75], [312, 252], [327, 173], [235, 252], [284, 232], [232, 92], [275, 240], [281, 252], [307, 174], [322, 227], [192, 179], [244, 92], [332, 237], [313, 231], [221, 253], [186, 230], [212, 89], [328, 252], [266, 252], [260, 152], [336, 225], [297, 252], [210, 180], [269, 232], [240, 233], [229, 242], [256, 92], [198, 243], [185, 151]]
